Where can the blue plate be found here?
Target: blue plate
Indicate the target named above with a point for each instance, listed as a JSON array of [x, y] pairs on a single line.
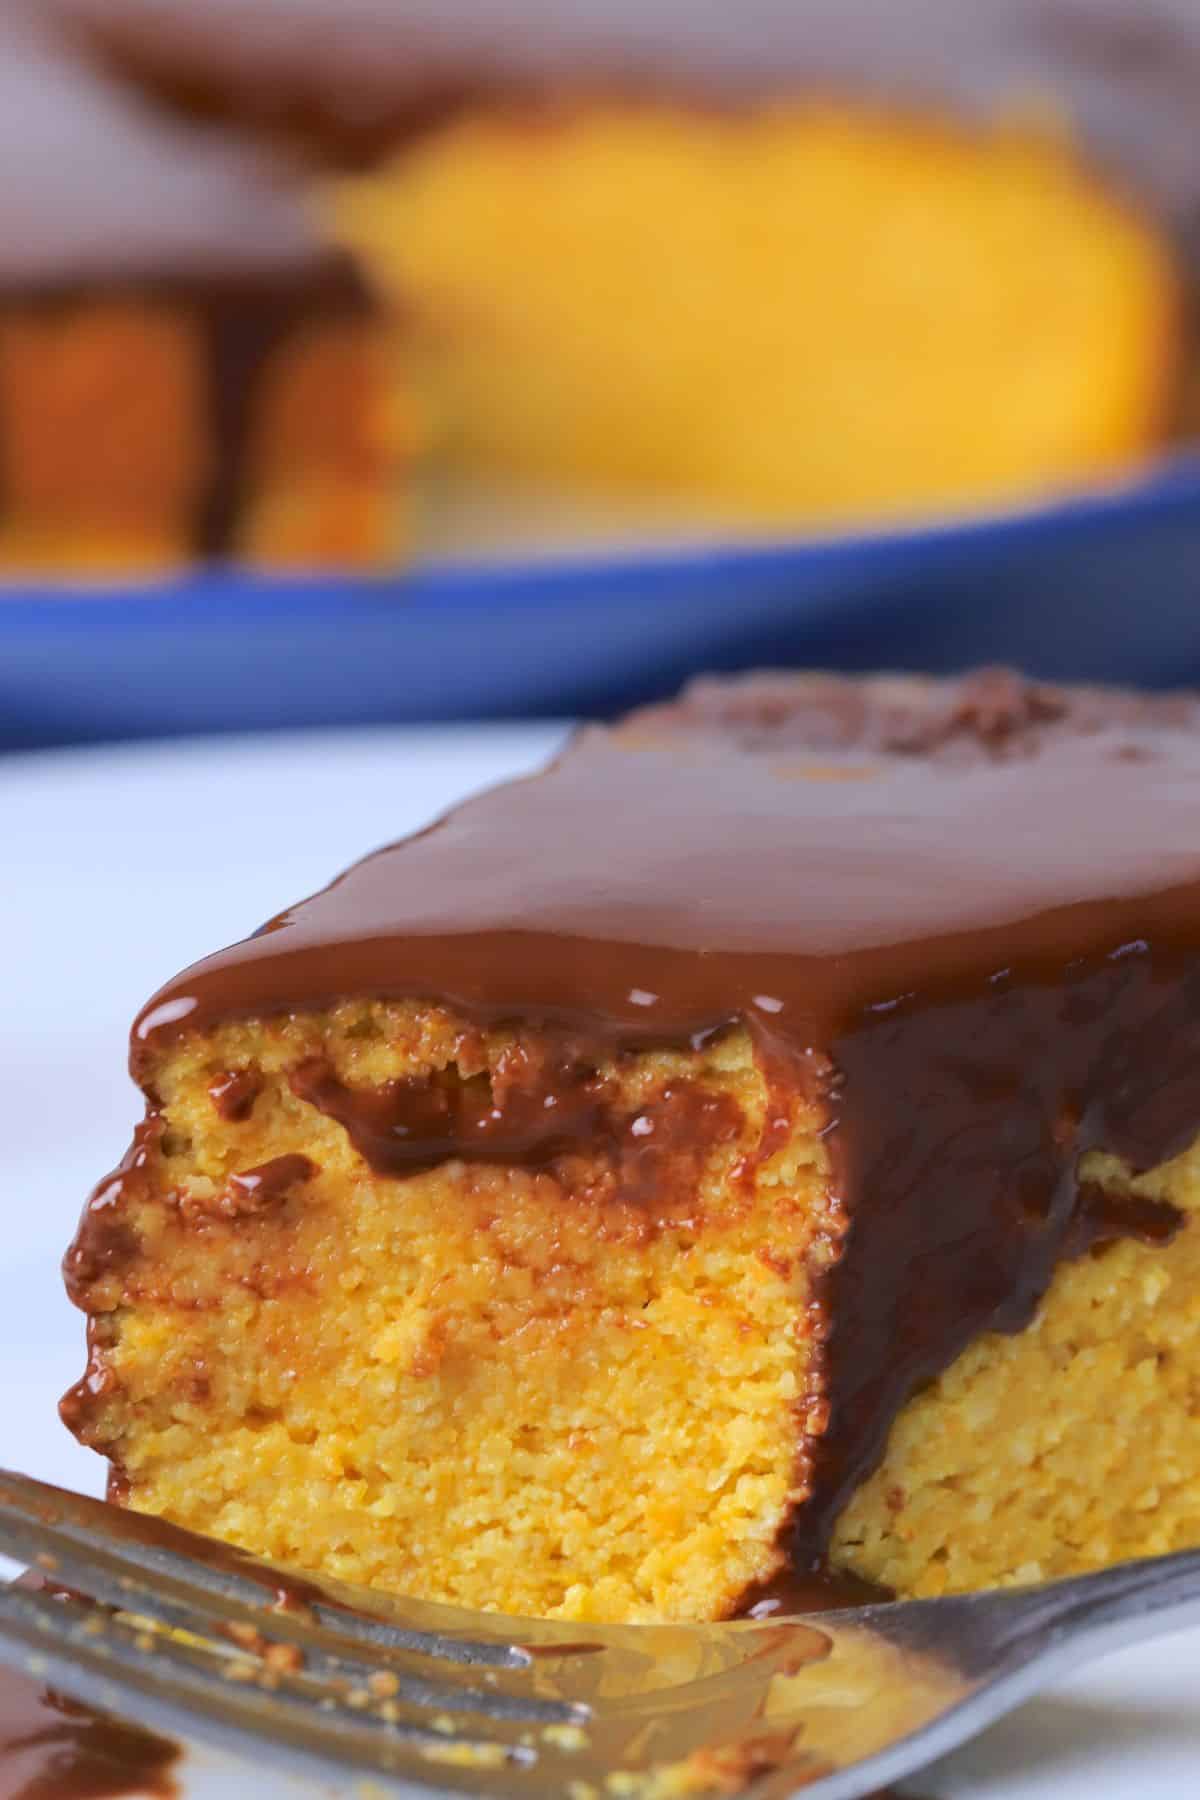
[[1105, 587]]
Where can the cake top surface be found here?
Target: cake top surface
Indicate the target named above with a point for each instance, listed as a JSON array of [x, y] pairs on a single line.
[[144, 133], [795, 850]]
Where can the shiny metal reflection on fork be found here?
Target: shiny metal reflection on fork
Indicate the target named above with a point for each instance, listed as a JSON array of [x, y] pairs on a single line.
[[196, 1639]]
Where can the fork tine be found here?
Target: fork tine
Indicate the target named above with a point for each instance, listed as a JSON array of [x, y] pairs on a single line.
[[75, 1543], [834, 1707], [80, 1618], [106, 1662], [155, 1551], [109, 1579]]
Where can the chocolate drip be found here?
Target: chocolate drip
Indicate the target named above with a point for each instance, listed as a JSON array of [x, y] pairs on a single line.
[[1103, 1217], [949, 1132], [239, 341], [523, 1113], [106, 1241], [964, 918], [233, 1094], [1151, 1074], [550, 1114], [256, 1189], [816, 1590], [246, 326]]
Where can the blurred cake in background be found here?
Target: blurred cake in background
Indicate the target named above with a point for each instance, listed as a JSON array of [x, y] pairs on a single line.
[[811, 264], [814, 262], [186, 368], [800, 313]]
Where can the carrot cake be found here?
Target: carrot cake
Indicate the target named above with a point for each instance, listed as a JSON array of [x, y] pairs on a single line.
[[761, 1142]]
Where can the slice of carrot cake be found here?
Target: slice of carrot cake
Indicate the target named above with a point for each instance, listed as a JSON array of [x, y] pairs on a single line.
[[761, 1141]]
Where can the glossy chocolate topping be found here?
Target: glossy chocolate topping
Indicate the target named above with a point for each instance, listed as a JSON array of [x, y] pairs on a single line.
[[351, 76], [533, 1111], [964, 916], [233, 1094], [258, 1189], [801, 853]]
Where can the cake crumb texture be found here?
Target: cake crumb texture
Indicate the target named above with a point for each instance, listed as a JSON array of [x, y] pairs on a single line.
[[504, 1388]]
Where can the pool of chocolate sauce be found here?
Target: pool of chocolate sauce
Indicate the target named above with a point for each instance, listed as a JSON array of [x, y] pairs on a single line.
[[52, 1749]]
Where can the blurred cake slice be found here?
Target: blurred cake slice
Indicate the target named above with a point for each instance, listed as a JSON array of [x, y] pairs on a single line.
[[187, 369], [804, 311], [763, 1142]]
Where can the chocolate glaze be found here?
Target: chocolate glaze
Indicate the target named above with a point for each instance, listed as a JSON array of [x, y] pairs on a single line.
[[53, 1749], [963, 918], [104, 1246], [540, 1113], [349, 77], [963, 1192], [525, 1112], [108, 1241]]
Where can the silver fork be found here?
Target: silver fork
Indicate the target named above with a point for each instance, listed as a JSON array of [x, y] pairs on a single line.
[[193, 1638]]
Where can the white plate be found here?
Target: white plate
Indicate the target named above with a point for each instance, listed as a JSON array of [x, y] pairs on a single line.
[[121, 865]]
